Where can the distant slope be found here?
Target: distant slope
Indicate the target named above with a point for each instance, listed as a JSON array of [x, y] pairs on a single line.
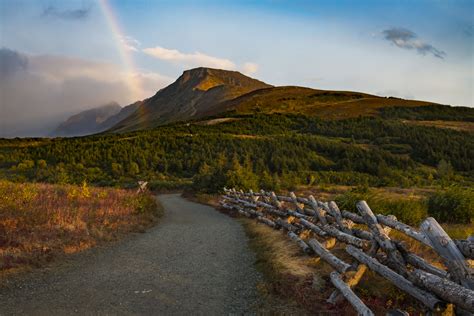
[[190, 96], [322, 103], [120, 116], [87, 122]]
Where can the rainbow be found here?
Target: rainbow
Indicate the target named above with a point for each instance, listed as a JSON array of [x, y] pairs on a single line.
[[132, 77]]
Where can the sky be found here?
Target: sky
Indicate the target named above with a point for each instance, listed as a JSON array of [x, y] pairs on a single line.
[[60, 57]]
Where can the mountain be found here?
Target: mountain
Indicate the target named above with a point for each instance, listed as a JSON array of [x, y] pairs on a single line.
[[87, 122], [115, 119], [189, 97], [202, 92]]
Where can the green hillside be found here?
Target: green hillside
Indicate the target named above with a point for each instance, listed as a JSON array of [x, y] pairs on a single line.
[[320, 103], [210, 129], [252, 150]]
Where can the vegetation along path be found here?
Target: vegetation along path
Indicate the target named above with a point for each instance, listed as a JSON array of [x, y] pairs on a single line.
[[196, 261]]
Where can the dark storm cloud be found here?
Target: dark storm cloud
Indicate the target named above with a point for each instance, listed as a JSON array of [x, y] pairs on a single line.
[[407, 39], [77, 14], [39, 91], [11, 62]]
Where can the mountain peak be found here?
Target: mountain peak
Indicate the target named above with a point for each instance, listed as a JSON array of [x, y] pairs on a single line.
[[190, 96], [204, 78]]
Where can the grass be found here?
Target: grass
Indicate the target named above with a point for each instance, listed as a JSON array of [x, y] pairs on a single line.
[[39, 222], [321, 103], [305, 280], [289, 274]]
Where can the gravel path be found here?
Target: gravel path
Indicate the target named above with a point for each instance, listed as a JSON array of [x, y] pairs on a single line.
[[196, 261]]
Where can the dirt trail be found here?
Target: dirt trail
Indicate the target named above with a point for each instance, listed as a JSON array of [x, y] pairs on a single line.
[[196, 261]]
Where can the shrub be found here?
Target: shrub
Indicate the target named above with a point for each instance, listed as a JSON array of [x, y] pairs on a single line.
[[409, 211], [167, 184], [454, 205]]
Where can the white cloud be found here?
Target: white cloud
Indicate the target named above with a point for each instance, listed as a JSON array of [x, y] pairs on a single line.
[[198, 59], [150, 82], [249, 68], [192, 59]]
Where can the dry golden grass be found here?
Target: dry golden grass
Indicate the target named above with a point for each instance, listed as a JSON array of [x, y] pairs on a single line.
[[289, 274], [217, 121], [203, 198], [39, 222], [285, 256], [305, 279], [329, 192]]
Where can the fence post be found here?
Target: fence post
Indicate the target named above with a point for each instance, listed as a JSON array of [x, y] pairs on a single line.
[[447, 249]]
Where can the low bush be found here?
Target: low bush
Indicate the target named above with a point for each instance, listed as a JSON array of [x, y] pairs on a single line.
[[454, 205], [409, 211]]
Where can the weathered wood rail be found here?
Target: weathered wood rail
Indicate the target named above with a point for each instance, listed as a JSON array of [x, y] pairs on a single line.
[[370, 246]]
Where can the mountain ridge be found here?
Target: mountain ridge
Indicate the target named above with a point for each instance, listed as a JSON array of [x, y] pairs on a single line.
[[88, 121], [189, 97], [203, 92]]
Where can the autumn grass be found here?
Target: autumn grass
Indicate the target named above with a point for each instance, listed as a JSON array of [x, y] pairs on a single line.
[[202, 198], [289, 274], [39, 222], [305, 280]]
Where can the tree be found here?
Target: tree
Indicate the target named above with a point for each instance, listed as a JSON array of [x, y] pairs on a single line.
[[117, 169], [241, 177], [26, 165], [133, 168], [444, 170], [41, 164]]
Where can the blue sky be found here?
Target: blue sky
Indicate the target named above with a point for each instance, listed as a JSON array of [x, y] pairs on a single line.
[[411, 49]]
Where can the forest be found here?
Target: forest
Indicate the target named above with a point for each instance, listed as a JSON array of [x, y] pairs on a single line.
[[270, 151], [265, 150], [430, 112]]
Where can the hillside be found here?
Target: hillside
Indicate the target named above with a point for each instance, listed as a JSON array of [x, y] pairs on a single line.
[[190, 96], [87, 122], [202, 92], [321, 103], [115, 119]]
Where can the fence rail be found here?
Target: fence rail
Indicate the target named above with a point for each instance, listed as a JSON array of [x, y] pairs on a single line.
[[370, 246]]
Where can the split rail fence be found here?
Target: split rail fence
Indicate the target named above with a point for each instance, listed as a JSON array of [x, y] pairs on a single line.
[[366, 236]]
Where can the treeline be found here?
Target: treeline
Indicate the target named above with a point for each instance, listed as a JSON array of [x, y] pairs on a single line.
[[251, 151], [429, 113]]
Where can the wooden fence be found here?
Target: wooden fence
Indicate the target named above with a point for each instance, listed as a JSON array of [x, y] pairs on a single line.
[[367, 241]]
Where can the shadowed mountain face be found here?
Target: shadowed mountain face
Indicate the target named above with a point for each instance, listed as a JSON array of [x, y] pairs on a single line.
[[88, 122], [114, 119], [191, 96]]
